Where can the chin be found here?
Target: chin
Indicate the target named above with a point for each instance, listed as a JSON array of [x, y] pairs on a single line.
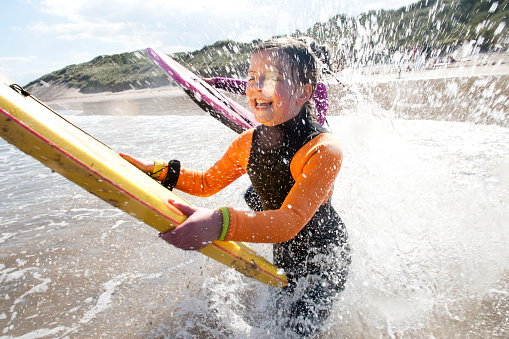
[[263, 118]]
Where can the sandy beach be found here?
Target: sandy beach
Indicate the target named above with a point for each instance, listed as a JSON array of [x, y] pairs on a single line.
[[63, 94], [473, 90], [486, 64]]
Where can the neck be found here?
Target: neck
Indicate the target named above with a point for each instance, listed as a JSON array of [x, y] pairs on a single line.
[[292, 123], [291, 116]]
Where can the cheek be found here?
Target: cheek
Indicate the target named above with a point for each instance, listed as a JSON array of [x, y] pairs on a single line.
[[252, 105], [249, 95], [248, 91], [269, 87], [284, 95]]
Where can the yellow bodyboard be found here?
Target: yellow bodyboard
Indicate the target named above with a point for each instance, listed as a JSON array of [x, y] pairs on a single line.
[[38, 131]]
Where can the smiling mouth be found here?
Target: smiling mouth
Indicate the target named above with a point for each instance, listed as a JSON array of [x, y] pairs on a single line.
[[261, 104]]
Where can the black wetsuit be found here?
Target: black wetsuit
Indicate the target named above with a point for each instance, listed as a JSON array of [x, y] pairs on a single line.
[[316, 260]]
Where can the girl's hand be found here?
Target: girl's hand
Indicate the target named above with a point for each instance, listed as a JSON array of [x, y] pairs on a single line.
[[210, 81], [201, 227], [144, 166]]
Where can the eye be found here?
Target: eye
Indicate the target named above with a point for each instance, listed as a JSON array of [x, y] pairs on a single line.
[[251, 78], [272, 76]]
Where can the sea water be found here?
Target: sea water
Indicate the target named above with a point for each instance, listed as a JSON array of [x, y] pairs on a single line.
[[425, 201]]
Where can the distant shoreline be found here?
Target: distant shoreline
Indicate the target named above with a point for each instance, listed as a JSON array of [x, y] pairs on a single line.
[[489, 64], [62, 94]]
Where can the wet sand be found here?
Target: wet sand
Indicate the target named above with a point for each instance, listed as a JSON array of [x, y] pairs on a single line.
[[424, 201], [487, 64], [490, 64], [475, 91]]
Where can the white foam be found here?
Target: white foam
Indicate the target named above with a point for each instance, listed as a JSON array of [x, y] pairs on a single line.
[[104, 300], [40, 288], [21, 262], [6, 236], [7, 276], [117, 224], [40, 333]]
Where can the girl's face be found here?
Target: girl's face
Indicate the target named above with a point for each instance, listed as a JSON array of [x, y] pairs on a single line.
[[273, 95]]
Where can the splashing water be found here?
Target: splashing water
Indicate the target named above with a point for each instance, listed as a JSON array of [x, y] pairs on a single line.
[[423, 191], [425, 202]]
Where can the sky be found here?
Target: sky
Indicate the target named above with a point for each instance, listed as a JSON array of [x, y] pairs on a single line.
[[42, 36]]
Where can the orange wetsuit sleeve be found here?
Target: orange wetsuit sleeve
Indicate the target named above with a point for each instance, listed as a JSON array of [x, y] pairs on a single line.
[[231, 166], [314, 167]]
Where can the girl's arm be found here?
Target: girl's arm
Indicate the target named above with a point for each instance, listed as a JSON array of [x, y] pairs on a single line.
[[315, 168], [230, 167]]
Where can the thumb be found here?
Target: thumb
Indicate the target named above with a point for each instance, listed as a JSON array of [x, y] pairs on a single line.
[[125, 156], [184, 208], [128, 158]]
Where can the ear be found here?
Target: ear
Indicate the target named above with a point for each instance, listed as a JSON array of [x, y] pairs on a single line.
[[304, 94]]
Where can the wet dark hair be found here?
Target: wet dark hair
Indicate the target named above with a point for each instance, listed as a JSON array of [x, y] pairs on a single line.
[[302, 61], [321, 52]]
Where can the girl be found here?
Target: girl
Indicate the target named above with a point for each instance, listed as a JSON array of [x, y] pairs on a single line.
[[292, 162], [319, 98]]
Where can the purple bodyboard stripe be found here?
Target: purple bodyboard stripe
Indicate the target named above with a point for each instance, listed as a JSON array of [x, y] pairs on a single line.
[[238, 114]]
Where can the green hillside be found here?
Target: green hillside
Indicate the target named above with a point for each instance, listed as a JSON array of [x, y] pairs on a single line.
[[135, 70], [437, 26]]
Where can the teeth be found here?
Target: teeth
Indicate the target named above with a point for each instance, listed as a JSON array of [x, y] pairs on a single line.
[[263, 102]]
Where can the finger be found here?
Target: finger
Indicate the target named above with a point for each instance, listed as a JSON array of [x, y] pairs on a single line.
[[183, 207], [177, 237], [147, 167], [189, 244], [126, 157], [175, 234], [131, 160], [171, 238]]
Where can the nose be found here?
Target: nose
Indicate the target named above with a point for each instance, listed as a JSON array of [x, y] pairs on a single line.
[[255, 85]]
